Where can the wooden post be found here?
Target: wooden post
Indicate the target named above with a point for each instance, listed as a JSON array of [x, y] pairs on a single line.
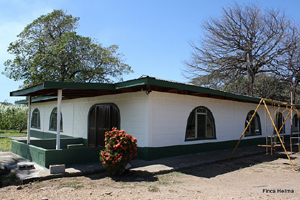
[[292, 103], [59, 98], [29, 120], [278, 131], [245, 129], [266, 126]]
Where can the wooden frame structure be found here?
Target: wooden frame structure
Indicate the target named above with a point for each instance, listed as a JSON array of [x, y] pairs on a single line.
[[289, 108], [297, 143]]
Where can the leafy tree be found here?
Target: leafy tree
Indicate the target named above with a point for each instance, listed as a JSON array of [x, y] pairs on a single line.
[[269, 86], [242, 42], [6, 103], [266, 86], [50, 49], [13, 117]]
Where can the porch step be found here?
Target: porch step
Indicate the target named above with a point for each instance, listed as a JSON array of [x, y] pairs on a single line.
[[25, 165], [74, 146]]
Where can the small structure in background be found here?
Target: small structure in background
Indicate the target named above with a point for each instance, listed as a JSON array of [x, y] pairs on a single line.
[[276, 140]]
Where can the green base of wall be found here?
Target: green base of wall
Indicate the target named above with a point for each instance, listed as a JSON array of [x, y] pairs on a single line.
[[46, 135], [37, 152], [51, 143], [43, 152], [152, 153], [29, 152]]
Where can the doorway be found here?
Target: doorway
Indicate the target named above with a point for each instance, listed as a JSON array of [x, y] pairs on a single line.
[[102, 118]]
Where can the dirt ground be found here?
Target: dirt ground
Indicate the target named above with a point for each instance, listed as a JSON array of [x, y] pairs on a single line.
[[253, 177]]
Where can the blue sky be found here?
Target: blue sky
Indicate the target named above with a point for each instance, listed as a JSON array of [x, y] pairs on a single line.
[[153, 35]]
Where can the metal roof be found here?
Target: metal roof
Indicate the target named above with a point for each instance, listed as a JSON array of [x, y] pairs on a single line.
[[146, 83]]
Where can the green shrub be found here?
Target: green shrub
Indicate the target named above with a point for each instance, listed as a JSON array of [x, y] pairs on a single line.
[[13, 117]]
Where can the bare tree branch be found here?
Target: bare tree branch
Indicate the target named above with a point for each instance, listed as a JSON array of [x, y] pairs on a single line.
[[244, 39]]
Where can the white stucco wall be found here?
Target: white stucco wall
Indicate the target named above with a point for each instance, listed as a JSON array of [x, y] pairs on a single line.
[[158, 119], [133, 112], [170, 113]]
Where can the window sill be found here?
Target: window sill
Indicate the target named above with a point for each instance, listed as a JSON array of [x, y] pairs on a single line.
[[194, 139], [252, 135], [55, 130], [35, 127]]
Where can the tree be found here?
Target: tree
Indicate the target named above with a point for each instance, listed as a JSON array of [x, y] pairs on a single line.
[[244, 41], [6, 103], [270, 87], [266, 85], [287, 68], [13, 117], [50, 49]]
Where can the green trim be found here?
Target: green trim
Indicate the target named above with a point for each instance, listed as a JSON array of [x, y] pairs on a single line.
[[29, 152], [131, 83], [153, 153], [36, 99], [43, 153], [51, 143], [199, 89], [127, 84], [26, 91], [76, 85], [46, 157], [73, 156], [200, 138]]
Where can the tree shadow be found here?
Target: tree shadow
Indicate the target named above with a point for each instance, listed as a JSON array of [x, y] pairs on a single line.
[[224, 167], [126, 176]]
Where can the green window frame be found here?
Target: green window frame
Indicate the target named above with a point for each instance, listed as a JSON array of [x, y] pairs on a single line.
[[279, 119], [35, 119], [53, 120], [200, 125], [255, 125]]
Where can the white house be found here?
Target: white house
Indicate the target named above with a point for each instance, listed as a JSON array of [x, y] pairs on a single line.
[[167, 118]]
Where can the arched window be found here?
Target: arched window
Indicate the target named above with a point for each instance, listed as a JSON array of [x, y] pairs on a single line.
[[255, 126], [35, 119], [200, 124], [295, 125], [53, 120], [279, 121]]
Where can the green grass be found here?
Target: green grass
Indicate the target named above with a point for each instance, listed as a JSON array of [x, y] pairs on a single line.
[[72, 184], [153, 189], [5, 141], [5, 144], [10, 133]]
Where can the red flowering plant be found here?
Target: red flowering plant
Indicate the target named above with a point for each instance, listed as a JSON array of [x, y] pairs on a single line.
[[119, 149]]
